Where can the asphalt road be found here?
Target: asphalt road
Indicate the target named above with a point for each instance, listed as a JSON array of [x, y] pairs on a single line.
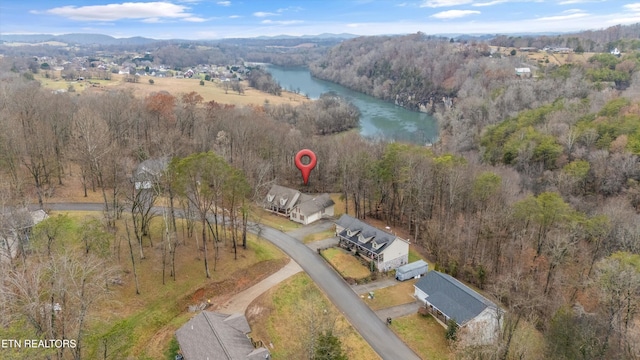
[[383, 341], [373, 330]]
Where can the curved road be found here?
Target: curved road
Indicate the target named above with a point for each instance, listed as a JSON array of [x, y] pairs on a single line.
[[373, 330]]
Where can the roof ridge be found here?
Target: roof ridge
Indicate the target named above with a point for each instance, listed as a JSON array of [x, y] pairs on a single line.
[[460, 285]]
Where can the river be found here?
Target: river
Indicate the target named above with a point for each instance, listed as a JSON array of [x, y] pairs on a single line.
[[378, 119]]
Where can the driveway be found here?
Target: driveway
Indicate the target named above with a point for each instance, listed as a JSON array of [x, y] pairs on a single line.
[[240, 302], [318, 226], [383, 341], [398, 311]]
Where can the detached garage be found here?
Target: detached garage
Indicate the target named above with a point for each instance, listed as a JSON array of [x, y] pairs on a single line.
[[409, 271]]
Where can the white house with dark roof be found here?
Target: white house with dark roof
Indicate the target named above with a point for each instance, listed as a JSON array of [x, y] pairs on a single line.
[[388, 251], [311, 208], [299, 207], [211, 335], [447, 298], [15, 230]]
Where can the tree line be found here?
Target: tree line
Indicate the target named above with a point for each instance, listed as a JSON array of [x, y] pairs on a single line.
[[531, 198]]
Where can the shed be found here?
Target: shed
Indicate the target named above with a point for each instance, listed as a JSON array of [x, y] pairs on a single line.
[[409, 271]]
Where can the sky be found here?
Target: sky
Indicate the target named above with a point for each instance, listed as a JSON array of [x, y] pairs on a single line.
[[216, 19]]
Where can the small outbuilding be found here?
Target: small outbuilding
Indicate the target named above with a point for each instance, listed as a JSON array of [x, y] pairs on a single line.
[[412, 270]]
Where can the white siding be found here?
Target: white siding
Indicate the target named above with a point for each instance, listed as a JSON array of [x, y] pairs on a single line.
[[329, 211], [420, 295], [397, 254], [482, 329]]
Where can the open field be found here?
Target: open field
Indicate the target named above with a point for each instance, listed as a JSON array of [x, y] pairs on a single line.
[[142, 326], [424, 335], [282, 316], [346, 264], [391, 296], [261, 216], [210, 90], [319, 236], [540, 57]]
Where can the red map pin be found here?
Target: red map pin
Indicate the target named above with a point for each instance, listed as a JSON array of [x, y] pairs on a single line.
[[306, 169]]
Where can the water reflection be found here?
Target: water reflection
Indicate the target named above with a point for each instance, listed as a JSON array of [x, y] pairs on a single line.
[[378, 119]]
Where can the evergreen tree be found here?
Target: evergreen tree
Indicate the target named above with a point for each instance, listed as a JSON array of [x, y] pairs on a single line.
[[329, 347]]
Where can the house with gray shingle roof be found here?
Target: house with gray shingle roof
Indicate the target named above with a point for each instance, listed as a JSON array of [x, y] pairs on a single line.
[[299, 207], [387, 250], [311, 208], [211, 335], [447, 298]]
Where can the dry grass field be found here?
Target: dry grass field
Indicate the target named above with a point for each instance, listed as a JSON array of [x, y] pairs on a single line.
[[391, 296], [281, 316], [210, 90], [346, 264], [142, 326], [424, 335], [540, 57]]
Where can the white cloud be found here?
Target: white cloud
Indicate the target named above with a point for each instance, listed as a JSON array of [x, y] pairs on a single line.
[[633, 7], [149, 12], [571, 2], [281, 22], [290, 8], [454, 14], [264, 14], [234, 16], [568, 15], [224, 3], [490, 3], [194, 19], [444, 3]]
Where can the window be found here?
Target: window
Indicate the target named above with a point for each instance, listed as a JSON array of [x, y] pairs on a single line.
[[301, 217]]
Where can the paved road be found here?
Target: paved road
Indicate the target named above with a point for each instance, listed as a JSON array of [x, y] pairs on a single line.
[[383, 341], [375, 332]]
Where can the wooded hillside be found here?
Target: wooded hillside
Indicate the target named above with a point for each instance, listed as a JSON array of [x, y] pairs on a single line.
[[532, 192]]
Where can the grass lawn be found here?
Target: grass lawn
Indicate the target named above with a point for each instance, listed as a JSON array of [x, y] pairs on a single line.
[[391, 296], [424, 335], [261, 216], [415, 256], [319, 236], [283, 317], [346, 264], [142, 326]]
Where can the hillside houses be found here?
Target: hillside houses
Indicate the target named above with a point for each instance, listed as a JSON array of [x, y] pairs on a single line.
[[446, 298], [298, 207], [386, 250]]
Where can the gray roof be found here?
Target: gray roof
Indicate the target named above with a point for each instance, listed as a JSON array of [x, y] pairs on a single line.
[[412, 266], [282, 197], [357, 227], [211, 335], [309, 205], [150, 169], [453, 298]]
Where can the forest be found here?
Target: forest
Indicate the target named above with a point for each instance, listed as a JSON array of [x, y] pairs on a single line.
[[532, 192]]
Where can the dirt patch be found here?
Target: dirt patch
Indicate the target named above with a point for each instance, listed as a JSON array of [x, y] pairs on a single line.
[[217, 293]]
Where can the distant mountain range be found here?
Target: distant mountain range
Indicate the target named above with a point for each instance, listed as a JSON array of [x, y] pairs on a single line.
[[79, 39], [100, 39]]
